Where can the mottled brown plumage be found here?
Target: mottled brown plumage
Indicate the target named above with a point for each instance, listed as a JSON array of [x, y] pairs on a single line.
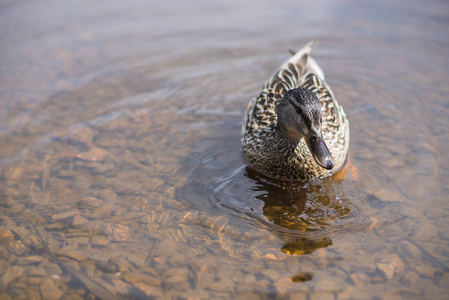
[[274, 140]]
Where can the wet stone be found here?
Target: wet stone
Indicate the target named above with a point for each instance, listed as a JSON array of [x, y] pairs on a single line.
[[271, 274], [68, 154], [444, 233], [106, 141], [297, 296], [334, 285], [77, 255], [159, 261], [154, 184], [357, 293], [102, 212], [425, 232], [11, 274], [407, 225], [223, 285], [433, 214], [410, 212], [63, 216], [66, 173], [123, 187], [106, 266], [88, 267], [51, 267], [248, 280], [426, 270], [99, 240], [49, 290], [3, 254], [444, 280], [91, 201], [177, 275], [408, 250], [261, 285], [54, 226], [121, 288], [33, 280], [19, 231], [146, 269], [97, 226], [18, 248], [283, 285], [7, 202], [74, 297], [34, 217], [386, 268], [17, 208], [390, 195], [14, 174], [93, 155], [113, 219], [397, 263], [359, 278], [6, 235], [134, 278], [18, 293], [149, 291], [29, 260], [394, 233], [108, 195], [120, 263], [35, 271], [117, 233], [410, 279], [83, 135], [102, 169], [177, 259], [79, 220], [33, 294], [204, 280]]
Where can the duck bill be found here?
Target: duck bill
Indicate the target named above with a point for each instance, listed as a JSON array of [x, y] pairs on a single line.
[[319, 150]]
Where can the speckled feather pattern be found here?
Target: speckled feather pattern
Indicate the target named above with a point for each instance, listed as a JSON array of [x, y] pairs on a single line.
[[263, 146]]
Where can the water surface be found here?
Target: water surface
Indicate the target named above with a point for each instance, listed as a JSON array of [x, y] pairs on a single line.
[[119, 142]]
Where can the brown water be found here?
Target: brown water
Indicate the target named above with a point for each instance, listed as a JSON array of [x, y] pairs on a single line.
[[119, 142]]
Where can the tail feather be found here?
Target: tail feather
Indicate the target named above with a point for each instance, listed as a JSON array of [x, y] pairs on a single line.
[[304, 62], [300, 57]]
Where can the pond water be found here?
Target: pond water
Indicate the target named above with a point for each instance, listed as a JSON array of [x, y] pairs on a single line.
[[121, 167]]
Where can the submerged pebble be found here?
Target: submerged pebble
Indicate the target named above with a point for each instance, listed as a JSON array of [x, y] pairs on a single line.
[[29, 260], [18, 248], [117, 232], [6, 235], [63, 216], [90, 201], [94, 154], [79, 220], [10, 275], [49, 290]]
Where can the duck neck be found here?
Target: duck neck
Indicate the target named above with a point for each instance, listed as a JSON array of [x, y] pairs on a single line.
[[284, 142]]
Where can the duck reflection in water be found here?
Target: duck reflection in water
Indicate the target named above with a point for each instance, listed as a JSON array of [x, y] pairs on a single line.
[[303, 212]]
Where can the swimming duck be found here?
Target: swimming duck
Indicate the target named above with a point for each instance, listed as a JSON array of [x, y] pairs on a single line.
[[295, 129]]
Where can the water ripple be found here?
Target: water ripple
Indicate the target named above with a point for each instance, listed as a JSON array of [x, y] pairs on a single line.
[[316, 210]]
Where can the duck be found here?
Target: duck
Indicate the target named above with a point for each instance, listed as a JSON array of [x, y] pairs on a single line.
[[295, 129]]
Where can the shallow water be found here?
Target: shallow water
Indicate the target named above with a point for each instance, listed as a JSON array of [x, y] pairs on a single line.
[[119, 142]]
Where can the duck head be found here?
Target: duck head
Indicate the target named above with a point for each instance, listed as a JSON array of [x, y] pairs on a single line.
[[299, 116]]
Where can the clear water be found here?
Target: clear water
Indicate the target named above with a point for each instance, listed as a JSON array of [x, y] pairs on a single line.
[[119, 142]]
